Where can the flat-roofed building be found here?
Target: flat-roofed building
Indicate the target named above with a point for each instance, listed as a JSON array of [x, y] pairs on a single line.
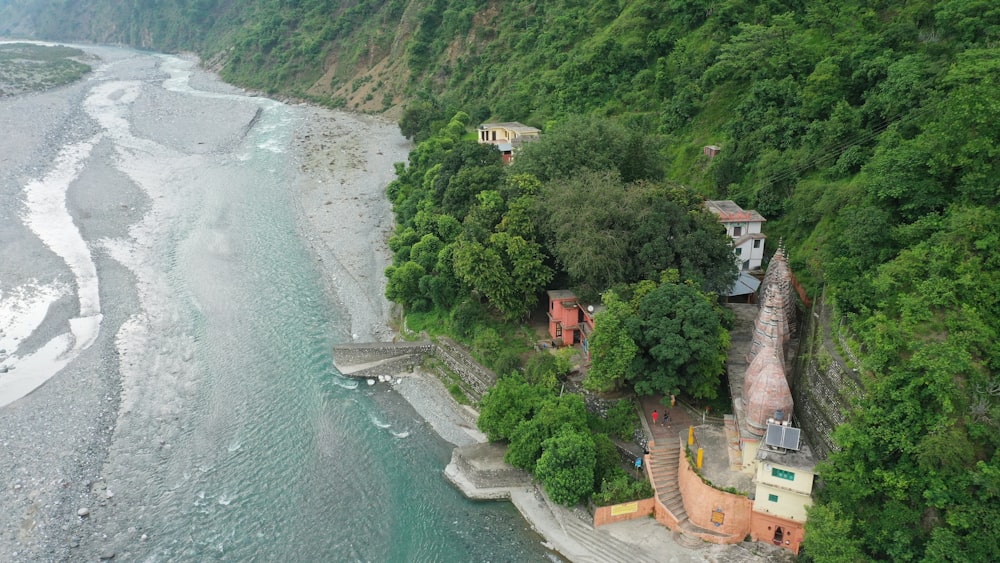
[[744, 227]]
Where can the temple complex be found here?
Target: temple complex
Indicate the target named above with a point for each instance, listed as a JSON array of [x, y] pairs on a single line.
[[770, 447], [761, 471]]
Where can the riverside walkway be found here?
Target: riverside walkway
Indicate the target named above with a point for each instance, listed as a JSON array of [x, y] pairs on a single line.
[[477, 470], [570, 531]]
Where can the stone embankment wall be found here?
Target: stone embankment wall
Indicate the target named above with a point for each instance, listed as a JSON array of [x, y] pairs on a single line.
[[358, 354], [477, 377], [393, 358], [483, 466], [376, 359], [824, 383]]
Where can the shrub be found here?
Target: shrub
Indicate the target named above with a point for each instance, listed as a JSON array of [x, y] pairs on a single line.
[[621, 487], [606, 459], [467, 317], [622, 420]]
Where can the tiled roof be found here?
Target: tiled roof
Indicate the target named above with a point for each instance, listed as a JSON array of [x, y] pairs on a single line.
[[729, 212]]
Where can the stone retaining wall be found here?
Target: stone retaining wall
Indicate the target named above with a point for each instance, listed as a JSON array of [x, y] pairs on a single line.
[[392, 358], [483, 466], [477, 377], [823, 385], [345, 355], [390, 367]]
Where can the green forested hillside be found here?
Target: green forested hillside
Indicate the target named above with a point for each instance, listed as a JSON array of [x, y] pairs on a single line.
[[864, 131]]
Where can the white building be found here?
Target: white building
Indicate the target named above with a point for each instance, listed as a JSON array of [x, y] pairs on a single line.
[[744, 227]]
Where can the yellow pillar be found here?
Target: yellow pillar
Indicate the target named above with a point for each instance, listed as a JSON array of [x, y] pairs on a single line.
[[690, 435], [701, 454]]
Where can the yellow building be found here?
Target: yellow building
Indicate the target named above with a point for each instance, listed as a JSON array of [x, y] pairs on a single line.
[[784, 477], [511, 132]]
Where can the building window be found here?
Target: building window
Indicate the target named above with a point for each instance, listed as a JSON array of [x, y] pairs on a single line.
[[558, 330], [782, 474], [738, 251], [756, 243], [772, 498], [737, 231]]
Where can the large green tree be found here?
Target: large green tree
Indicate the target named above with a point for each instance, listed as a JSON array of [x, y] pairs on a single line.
[[508, 403], [612, 349], [566, 467], [605, 231], [681, 342], [508, 270], [594, 143], [527, 442]]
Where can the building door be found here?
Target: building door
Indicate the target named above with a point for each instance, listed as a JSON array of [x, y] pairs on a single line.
[[779, 535]]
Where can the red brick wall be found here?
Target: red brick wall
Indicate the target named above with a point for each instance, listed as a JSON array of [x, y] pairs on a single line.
[[603, 515], [762, 527], [701, 501], [665, 517]]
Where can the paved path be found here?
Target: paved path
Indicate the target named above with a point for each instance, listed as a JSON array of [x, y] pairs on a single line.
[[679, 419]]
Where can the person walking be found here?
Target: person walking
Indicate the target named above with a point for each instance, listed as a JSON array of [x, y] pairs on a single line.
[[656, 416]]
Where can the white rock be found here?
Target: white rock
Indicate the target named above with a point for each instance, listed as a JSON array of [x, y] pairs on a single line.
[[83, 512]]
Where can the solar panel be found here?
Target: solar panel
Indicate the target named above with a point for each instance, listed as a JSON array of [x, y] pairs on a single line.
[[773, 436], [790, 439], [785, 437]]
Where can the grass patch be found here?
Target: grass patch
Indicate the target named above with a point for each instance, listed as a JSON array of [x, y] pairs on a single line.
[[435, 323], [33, 68]]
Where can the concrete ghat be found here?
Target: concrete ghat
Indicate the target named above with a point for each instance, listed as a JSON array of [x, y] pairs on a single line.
[[374, 359]]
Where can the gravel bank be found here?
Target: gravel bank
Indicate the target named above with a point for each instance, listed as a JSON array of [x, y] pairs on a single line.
[[346, 162]]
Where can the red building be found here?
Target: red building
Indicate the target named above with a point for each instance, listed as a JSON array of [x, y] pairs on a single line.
[[569, 322]]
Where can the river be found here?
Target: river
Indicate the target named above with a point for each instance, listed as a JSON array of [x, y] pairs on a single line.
[[166, 327]]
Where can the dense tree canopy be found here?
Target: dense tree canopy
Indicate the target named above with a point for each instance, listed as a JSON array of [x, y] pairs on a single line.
[[567, 466], [669, 339], [591, 143], [554, 437], [606, 232], [612, 349], [468, 226]]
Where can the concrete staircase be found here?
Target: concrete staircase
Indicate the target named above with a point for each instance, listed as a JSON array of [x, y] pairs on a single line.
[[663, 463], [663, 460]]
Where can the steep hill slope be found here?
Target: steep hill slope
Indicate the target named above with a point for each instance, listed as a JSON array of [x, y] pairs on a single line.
[[864, 130]]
